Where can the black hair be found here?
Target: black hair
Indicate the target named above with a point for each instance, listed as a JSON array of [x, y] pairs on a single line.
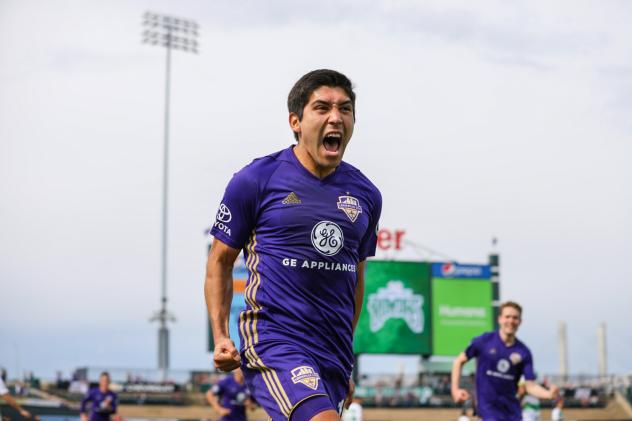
[[303, 88]]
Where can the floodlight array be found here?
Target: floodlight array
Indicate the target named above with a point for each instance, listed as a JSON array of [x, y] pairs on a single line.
[[171, 32]]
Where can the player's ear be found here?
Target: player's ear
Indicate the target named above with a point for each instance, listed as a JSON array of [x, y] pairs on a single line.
[[295, 123]]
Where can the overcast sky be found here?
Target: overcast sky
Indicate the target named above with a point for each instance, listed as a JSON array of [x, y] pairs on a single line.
[[507, 119]]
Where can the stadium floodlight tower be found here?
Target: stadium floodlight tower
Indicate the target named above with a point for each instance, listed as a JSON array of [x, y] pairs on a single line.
[[179, 34]]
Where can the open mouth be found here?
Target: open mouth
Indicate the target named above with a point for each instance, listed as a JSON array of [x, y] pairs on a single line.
[[332, 142]]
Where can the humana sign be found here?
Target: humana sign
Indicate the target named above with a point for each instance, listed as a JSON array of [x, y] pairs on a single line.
[[467, 312], [396, 302]]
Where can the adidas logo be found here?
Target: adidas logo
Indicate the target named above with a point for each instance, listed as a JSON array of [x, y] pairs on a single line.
[[291, 199]]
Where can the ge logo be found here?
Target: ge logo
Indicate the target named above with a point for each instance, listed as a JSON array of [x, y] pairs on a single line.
[[241, 397], [223, 214], [503, 365], [327, 238]]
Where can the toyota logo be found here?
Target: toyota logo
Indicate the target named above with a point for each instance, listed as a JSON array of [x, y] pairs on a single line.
[[223, 214]]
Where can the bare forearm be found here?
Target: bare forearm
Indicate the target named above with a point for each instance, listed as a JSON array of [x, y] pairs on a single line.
[[218, 292], [12, 402], [455, 376], [212, 400], [538, 391]]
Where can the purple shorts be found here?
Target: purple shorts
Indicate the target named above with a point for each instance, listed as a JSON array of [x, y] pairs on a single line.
[[290, 383]]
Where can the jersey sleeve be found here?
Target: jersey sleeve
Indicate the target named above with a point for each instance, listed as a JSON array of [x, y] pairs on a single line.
[[84, 401], [236, 215], [218, 388], [369, 241], [474, 348], [527, 367]]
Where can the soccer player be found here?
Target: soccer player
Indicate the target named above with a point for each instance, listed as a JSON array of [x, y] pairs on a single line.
[[104, 401], [307, 221], [501, 360], [230, 397]]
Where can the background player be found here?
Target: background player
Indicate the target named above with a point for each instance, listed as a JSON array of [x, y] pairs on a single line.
[[230, 397], [103, 401], [501, 360], [530, 404], [307, 221]]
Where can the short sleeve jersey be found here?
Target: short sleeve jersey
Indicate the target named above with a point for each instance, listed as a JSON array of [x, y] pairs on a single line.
[[303, 238], [232, 395], [498, 369], [103, 405]]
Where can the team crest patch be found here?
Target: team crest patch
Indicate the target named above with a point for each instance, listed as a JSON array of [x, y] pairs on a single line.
[[306, 375], [350, 206], [515, 358]]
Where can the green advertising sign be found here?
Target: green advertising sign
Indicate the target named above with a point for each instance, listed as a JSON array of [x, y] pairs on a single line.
[[395, 316], [461, 310]]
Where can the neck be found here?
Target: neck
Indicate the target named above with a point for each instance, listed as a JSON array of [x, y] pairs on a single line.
[[507, 338], [310, 163]]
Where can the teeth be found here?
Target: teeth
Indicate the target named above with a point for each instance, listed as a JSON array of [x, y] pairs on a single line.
[[336, 135]]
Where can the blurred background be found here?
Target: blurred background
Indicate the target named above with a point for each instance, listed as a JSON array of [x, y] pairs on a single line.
[[496, 128]]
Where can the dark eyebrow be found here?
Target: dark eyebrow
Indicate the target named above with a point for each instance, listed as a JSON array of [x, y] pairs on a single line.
[[321, 102]]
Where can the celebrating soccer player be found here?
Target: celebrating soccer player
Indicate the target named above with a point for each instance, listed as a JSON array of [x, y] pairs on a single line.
[[306, 221], [501, 360]]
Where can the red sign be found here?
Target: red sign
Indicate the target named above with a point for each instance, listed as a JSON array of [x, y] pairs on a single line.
[[390, 239]]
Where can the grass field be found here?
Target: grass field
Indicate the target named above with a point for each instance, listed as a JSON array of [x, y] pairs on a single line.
[[615, 410]]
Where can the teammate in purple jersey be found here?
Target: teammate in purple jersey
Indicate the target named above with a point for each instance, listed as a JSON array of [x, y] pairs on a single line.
[[103, 401], [501, 360], [230, 397], [307, 222]]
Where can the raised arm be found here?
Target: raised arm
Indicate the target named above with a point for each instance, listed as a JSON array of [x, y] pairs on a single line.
[[458, 394], [218, 292]]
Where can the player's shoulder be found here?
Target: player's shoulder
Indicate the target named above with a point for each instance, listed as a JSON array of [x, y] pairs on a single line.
[[523, 346], [255, 175], [225, 381], [353, 174], [262, 166], [486, 337]]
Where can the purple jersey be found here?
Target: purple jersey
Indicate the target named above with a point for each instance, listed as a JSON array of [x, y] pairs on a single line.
[[103, 404], [498, 370], [303, 238], [232, 395]]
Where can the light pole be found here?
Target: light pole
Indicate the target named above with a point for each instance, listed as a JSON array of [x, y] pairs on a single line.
[[180, 34]]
